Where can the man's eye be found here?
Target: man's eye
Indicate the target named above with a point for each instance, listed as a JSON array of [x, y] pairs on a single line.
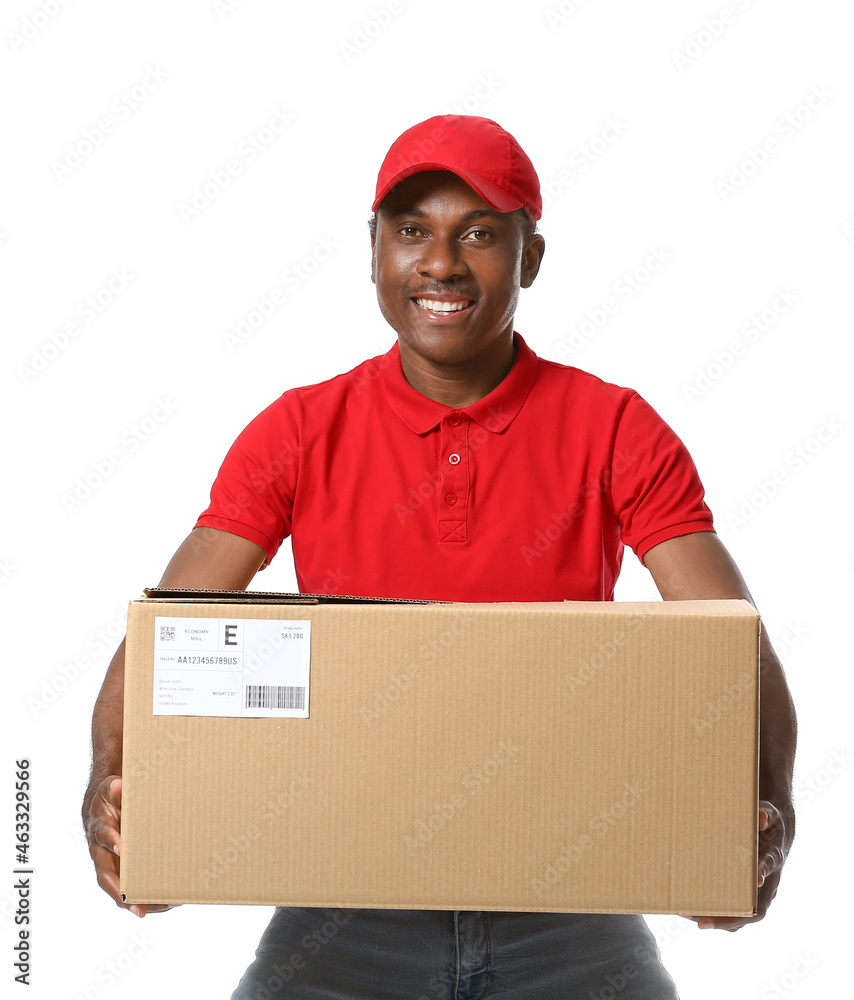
[[479, 235], [408, 231]]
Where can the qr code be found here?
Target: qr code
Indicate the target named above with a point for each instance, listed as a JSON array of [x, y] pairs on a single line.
[[167, 632]]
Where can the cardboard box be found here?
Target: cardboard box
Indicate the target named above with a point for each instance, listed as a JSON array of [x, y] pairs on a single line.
[[577, 757]]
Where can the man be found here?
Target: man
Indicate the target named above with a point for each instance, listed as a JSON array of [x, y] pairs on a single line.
[[491, 441]]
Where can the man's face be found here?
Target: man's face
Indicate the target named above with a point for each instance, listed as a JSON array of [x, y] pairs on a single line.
[[448, 267]]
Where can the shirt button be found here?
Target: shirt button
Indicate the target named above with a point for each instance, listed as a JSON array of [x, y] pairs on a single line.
[[450, 498], [454, 421], [454, 459]]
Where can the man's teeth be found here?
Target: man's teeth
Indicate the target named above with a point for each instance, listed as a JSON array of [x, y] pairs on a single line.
[[441, 307]]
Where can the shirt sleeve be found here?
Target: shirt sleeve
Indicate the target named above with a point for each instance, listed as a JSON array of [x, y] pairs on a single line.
[[252, 495], [655, 488]]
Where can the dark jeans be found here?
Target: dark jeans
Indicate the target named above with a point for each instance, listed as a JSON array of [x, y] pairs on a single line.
[[342, 954]]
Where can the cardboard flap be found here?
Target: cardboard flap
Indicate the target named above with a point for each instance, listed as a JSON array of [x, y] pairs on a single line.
[[264, 597]]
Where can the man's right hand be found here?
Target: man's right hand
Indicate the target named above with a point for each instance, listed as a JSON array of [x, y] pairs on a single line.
[[208, 558], [103, 828]]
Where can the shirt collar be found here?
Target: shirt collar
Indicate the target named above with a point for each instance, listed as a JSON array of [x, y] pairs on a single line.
[[495, 411]]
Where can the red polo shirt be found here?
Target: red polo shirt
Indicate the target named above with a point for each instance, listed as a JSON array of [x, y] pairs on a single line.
[[529, 494]]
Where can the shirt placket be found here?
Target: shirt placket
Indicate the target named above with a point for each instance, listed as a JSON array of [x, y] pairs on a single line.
[[455, 476]]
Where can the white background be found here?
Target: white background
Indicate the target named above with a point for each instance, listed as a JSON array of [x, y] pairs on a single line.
[[691, 101]]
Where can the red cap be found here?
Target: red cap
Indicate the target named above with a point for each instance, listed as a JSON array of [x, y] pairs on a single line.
[[477, 149]]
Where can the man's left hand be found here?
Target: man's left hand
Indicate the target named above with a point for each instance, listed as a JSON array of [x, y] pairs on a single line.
[[774, 842]]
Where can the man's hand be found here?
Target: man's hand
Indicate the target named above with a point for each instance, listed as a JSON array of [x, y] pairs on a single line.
[[207, 558], [698, 567], [775, 839], [103, 826]]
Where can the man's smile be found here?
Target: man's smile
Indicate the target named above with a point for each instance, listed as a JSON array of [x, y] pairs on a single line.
[[441, 307]]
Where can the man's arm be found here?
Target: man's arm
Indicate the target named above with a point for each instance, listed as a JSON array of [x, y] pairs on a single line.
[[698, 567], [207, 558]]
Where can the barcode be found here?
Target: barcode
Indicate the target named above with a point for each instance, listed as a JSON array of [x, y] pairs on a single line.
[[167, 632], [272, 696]]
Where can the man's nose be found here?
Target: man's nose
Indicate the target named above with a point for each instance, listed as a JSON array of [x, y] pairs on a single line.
[[443, 259]]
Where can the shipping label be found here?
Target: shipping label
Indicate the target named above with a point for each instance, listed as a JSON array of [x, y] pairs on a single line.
[[231, 667]]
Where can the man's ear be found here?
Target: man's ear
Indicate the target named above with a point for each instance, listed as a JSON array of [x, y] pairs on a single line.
[[532, 256], [374, 257]]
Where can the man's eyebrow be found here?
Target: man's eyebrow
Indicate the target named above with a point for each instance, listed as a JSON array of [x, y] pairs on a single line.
[[482, 213], [478, 213]]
